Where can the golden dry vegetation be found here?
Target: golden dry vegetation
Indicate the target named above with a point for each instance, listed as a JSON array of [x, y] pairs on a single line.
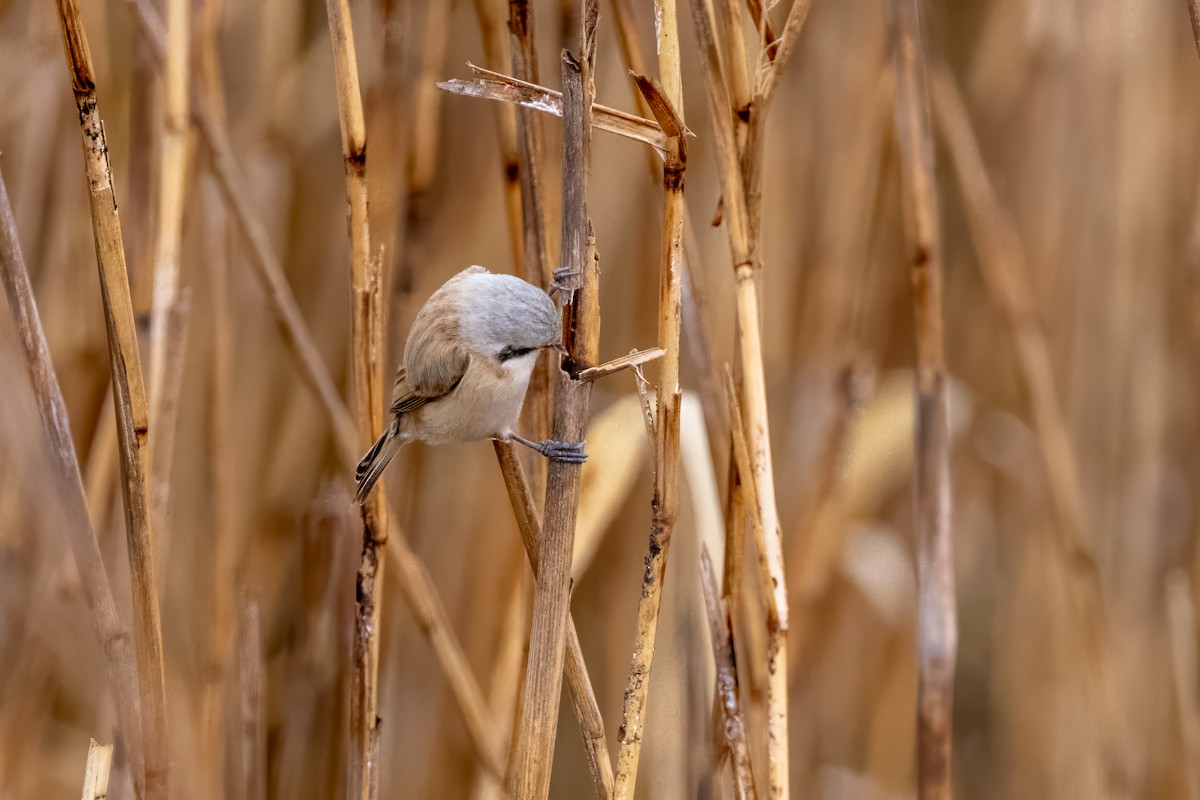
[[950, 253]]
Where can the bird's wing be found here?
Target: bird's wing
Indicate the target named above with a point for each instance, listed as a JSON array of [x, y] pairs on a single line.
[[438, 382]]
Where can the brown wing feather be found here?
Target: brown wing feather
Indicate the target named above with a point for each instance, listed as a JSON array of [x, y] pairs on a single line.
[[406, 398]]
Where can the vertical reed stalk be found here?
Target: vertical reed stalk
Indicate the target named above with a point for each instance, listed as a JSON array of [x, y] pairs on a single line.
[[96, 770], [666, 102], [583, 697], [937, 628], [113, 637], [551, 600], [164, 347], [367, 338], [742, 196], [129, 399]]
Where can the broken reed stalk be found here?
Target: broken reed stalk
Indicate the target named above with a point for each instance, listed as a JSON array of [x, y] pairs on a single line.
[[503, 88], [1002, 262], [937, 627], [96, 770], [741, 199], [114, 638], [583, 697], [171, 189], [666, 103], [731, 725], [129, 395], [415, 583], [551, 599], [366, 364]]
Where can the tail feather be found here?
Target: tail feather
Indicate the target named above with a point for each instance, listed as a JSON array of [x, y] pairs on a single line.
[[371, 468]]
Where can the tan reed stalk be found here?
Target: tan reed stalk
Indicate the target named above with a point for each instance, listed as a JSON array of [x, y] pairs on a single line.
[[1181, 620], [551, 601], [416, 585], [536, 267], [252, 727], [367, 343], [113, 637], [96, 770], [129, 400], [742, 206], [225, 540], [735, 533], [1194, 15], [583, 697], [166, 416], [731, 722], [1002, 262], [666, 103], [495, 50], [937, 627], [172, 177]]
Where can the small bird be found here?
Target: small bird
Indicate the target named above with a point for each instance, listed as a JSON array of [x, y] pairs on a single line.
[[466, 368]]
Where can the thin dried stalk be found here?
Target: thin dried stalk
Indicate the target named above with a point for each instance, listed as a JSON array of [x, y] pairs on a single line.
[[95, 772], [495, 86], [551, 601], [733, 727], [113, 637], [252, 730], [583, 697], [666, 103], [536, 267], [171, 189], [634, 359], [749, 492], [937, 627], [1181, 617], [1194, 15], [166, 415], [367, 367], [129, 399], [1002, 261], [496, 53], [740, 199]]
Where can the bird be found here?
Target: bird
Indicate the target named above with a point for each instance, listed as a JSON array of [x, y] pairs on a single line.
[[466, 367]]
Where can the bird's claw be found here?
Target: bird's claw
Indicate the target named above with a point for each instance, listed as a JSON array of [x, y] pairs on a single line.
[[566, 281], [566, 452]]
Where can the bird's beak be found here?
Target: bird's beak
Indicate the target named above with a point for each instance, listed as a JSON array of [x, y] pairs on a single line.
[[557, 347]]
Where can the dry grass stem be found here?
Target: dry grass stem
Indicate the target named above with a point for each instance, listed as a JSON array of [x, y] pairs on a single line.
[[166, 418], [129, 400], [937, 626], [252, 728], [749, 491], [173, 169], [742, 196], [731, 725], [551, 600], [96, 770], [583, 697], [666, 103], [636, 358], [113, 637], [366, 360]]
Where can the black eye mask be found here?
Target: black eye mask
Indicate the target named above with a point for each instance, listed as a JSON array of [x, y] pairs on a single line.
[[513, 352]]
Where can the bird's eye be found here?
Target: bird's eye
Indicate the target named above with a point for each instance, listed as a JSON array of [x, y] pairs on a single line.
[[513, 352]]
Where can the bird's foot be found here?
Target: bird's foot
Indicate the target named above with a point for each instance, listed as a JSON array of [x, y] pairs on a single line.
[[566, 452], [566, 281]]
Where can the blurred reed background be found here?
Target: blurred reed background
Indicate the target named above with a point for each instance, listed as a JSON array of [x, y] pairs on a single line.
[[1081, 194]]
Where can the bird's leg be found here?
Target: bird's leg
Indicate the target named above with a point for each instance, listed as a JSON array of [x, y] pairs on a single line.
[[566, 280], [568, 452]]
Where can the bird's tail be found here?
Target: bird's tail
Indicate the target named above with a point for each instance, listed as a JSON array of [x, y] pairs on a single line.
[[371, 468]]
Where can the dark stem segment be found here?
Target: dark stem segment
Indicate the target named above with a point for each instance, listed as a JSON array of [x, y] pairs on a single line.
[[937, 625], [114, 638], [551, 601], [129, 394], [583, 697]]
